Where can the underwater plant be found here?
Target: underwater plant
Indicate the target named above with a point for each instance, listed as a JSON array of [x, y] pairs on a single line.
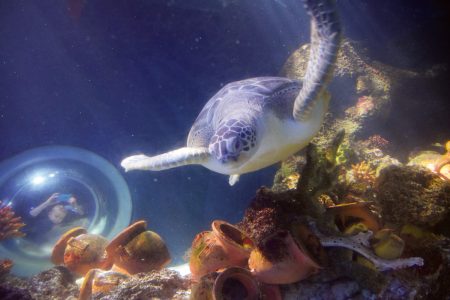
[[10, 224]]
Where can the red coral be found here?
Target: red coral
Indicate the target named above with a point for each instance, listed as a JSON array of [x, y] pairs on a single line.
[[363, 108], [10, 224], [5, 266], [365, 104], [377, 141]]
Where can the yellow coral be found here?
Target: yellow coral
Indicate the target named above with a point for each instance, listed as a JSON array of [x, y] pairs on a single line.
[[291, 180], [355, 228], [414, 231], [387, 244]]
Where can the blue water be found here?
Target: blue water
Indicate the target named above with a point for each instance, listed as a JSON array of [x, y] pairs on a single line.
[[121, 77]]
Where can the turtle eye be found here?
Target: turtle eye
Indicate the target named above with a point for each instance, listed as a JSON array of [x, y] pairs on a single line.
[[237, 145]]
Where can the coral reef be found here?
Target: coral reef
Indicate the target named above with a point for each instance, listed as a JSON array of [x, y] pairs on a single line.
[[409, 194], [56, 283], [163, 284], [360, 178], [59, 283], [369, 84], [10, 224], [13, 293]]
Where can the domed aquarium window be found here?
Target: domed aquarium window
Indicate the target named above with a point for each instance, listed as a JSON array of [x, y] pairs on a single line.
[[53, 189]]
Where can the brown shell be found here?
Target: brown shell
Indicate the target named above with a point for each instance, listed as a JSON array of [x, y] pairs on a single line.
[[232, 279], [85, 252], [86, 286], [105, 281], [125, 236], [232, 238], [358, 210], [206, 255], [60, 246], [145, 252]]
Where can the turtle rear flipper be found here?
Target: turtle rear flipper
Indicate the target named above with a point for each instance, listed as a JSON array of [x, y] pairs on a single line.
[[179, 157]]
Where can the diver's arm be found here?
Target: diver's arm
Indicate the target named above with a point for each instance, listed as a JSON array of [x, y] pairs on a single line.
[[37, 210]]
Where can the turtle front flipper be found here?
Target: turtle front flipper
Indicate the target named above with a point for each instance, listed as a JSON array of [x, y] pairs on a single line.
[[176, 158], [325, 40]]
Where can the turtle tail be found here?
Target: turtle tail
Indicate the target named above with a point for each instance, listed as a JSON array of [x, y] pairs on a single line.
[[179, 157], [325, 40]]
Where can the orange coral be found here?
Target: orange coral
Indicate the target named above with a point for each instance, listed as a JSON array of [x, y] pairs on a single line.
[[363, 172], [10, 224]]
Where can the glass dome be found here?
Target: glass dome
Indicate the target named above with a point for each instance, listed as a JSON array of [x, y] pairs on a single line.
[[54, 189]]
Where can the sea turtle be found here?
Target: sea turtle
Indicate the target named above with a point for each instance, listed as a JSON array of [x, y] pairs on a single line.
[[254, 123]]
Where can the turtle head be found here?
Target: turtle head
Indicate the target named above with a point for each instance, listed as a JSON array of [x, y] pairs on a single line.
[[233, 140]]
